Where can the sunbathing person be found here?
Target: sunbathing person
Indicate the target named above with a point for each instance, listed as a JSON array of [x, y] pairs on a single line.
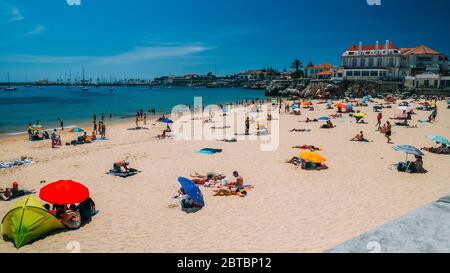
[[186, 200], [118, 165], [311, 120], [233, 188], [297, 161], [202, 179], [307, 165], [14, 192], [312, 148], [300, 130], [71, 218], [359, 137], [443, 149]]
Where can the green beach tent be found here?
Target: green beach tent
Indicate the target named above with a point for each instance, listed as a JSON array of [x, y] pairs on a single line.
[[27, 221]]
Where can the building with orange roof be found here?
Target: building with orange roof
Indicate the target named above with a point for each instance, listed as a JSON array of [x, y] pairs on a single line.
[[422, 59], [320, 71]]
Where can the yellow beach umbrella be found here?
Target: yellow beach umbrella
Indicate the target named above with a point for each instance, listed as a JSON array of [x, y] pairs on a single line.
[[313, 157], [359, 115]]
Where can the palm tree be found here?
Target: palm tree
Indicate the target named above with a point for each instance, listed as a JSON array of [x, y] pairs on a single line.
[[297, 65]]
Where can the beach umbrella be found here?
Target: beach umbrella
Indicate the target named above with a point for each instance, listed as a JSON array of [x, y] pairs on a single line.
[[408, 149], [377, 107], [192, 190], [405, 103], [439, 139], [294, 106], [307, 103], [359, 115], [167, 120], [324, 118], [77, 130], [37, 127], [64, 192], [313, 157], [341, 105], [406, 108]]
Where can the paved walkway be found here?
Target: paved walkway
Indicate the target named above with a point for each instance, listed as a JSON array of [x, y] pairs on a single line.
[[424, 230]]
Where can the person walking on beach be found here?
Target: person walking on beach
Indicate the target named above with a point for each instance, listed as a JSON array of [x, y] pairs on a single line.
[[95, 117], [110, 116], [379, 118], [145, 119], [61, 123], [137, 119], [247, 126], [103, 117]]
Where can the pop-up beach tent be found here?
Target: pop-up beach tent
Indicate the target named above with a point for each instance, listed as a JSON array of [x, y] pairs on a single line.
[[27, 221]]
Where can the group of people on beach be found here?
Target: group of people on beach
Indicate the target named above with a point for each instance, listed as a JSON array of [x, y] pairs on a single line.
[[73, 216]]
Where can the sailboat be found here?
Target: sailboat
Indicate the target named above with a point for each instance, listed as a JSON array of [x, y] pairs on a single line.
[[26, 81], [111, 88], [10, 88], [84, 87]]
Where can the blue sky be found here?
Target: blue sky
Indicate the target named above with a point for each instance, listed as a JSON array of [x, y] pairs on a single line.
[[144, 38]]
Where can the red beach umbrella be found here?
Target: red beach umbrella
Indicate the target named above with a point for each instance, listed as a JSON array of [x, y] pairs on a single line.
[[64, 192]]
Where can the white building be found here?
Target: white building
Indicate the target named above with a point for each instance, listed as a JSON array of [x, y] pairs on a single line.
[[372, 62], [428, 81], [423, 59]]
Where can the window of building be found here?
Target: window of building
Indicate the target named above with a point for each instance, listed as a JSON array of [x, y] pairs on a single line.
[[426, 83], [354, 63], [391, 61], [349, 73], [362, 62], [365, 74], [374, 73], [357, 73], [436, 83], [370, 62], [379, 62]]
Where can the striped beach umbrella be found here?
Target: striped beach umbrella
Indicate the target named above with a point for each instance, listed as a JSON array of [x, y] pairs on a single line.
[[77, 130]]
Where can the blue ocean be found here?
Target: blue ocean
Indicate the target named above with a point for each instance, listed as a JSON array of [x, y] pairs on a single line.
[[28, 104]]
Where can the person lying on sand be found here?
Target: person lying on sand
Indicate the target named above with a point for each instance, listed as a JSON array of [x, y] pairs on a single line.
[[297, 161], [312, 148], [209, 177], [310, 120], [300, 130], [306, 165], [443, 149], [118, 165], [14, 192]]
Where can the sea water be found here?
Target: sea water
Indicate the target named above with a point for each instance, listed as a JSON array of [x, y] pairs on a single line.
[[28, 104]]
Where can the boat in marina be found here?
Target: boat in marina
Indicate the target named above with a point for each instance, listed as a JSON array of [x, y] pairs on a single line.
[[10, 88]]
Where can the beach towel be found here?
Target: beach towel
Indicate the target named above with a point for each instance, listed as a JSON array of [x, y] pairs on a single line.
[[14, 163], [131, 172], [209, 151]]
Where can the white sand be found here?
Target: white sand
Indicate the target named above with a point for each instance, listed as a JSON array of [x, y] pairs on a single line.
[[290, 210]]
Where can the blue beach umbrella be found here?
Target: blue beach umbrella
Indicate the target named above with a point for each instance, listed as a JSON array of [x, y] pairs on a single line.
[[377, 107], [191, 189], [439, 139], [324, 118], [294, 106], [225, 110], [166, 120], [408, 149]]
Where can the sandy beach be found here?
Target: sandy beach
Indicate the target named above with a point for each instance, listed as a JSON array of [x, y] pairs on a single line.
[[289, 210]]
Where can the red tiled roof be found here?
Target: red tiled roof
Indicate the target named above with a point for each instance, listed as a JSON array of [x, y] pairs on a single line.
[[320, 66], [326, 72], [420, 50], [371, 47]]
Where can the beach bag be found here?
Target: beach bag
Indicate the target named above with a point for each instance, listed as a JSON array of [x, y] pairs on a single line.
[[401, 167]]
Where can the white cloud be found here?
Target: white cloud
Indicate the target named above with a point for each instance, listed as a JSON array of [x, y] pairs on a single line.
[[137, 54], [9, 13], [73, 2], [37, 30]]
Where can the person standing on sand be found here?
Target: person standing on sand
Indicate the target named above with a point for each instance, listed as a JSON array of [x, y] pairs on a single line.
[[103, 117], [61, 123], [95, 117], [103, 130], [137, 120], [388, 131], [110, 116], [95, 127], [247, 126], [145, 119]]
